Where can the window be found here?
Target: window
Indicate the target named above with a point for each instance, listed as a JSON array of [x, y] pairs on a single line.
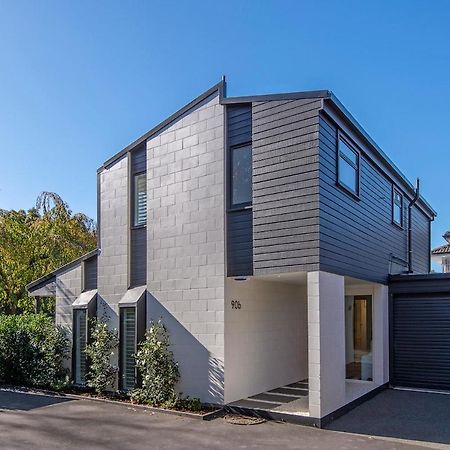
[[140, 199], [358, 337], [348, 166], [128, 347], [80, 340], [241, 176], [397, 208]]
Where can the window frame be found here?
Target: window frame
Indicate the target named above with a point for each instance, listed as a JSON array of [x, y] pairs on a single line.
[[339, 154], [395, 190], [244, 205], [122, 362], [134, 202]]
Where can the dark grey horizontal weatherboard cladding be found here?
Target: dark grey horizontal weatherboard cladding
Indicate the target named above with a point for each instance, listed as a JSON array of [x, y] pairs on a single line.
[[239, 222], [139, 159], [138, 256], [357, 237], [239, 243], [138, 236], [90, 274], [285, 137]]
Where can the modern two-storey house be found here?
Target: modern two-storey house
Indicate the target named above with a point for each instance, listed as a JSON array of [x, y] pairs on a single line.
[[262, 230]]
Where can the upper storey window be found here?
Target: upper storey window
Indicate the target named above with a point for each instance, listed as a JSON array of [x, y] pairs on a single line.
[[140, 199], [348, 166], [241, 176], [397, 208]]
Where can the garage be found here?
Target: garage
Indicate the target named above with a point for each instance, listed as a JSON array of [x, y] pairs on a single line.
[[420, 331]]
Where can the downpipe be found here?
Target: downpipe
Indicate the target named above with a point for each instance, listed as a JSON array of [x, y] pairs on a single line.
[[410, 206]]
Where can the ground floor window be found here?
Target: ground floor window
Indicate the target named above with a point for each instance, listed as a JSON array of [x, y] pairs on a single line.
[[358, 337], [80, 341], [127, 347]]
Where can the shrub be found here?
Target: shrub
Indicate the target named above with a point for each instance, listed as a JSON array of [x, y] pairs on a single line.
[[157, 369], [32, 351], [101, 374]]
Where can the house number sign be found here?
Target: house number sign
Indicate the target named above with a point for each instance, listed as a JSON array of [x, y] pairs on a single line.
[[235, 304]]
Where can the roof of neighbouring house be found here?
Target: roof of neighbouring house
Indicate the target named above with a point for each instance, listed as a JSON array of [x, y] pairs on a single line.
[[443, 249]]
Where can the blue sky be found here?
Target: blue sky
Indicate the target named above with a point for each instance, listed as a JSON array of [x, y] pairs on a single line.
[[80, 80]]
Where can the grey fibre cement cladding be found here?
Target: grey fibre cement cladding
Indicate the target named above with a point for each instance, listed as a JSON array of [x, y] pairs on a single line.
[[43, 422]]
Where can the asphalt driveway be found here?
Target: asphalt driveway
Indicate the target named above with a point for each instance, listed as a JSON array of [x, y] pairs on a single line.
[[415, 416], [44, 422]]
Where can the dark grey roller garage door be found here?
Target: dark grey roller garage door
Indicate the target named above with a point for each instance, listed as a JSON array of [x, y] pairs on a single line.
[[420, 341]]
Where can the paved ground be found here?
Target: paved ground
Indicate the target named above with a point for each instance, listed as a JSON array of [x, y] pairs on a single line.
[[418, 416], [41, 422]]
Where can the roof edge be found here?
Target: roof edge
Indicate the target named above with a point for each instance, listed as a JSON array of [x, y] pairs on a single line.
[[337, 103], [282, 96], [33, 284], [219, 87]]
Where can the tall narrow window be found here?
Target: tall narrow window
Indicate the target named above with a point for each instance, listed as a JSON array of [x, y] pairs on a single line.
[[128, 347], [241, 176], [140, 199], [80, 340], [358, 337], [348, 166], [397, 207]]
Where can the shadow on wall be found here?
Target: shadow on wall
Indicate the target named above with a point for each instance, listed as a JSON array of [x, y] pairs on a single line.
[[201, 373]]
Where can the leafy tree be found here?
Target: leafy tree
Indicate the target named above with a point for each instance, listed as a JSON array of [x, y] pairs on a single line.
[[37, 241]]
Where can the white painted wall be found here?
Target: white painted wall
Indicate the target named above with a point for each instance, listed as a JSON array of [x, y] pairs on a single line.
[[113, 257], [265, 340], [186, 244], [328, 388], [68, 288]]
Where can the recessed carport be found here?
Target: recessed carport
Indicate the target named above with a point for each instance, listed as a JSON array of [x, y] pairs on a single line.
[[420, 331]]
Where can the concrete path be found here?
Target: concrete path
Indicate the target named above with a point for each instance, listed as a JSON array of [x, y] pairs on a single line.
[[43, 422], [416, 416]]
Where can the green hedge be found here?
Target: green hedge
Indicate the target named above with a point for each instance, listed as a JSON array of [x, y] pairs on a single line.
[[32, 351]]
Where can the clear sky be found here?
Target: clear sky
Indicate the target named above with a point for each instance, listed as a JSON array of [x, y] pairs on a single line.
[[79, 80]]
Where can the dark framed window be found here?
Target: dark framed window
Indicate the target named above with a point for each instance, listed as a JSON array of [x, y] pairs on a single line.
[[241, 176], [140, 199], [80, 333], [81, 317], [132, 325], [128, 347], [397, 207], [348, 166]]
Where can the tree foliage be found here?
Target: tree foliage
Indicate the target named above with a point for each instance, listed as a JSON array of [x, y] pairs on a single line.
[[32, 351], [37, 241]]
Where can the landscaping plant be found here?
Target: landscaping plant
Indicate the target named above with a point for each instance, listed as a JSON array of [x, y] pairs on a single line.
[[32, 351], [157, 369], [101, 374]]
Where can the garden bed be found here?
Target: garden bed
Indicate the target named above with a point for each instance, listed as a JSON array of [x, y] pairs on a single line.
[[207, 412]]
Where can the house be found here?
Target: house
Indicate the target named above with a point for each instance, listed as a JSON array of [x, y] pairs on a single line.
[[441, 254], [263, 231]]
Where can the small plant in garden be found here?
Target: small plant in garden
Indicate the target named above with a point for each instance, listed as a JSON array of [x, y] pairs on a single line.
[[101, 374], [157, 368]]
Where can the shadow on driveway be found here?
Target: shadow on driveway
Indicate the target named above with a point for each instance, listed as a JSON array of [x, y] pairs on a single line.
[[21, 401], [419, 416]]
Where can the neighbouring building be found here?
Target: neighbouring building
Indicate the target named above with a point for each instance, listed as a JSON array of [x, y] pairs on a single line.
[[441, 254], [263, 231]]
